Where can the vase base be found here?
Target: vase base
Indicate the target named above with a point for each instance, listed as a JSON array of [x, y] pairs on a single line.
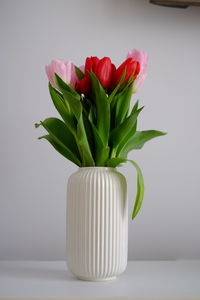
[[96, 279]]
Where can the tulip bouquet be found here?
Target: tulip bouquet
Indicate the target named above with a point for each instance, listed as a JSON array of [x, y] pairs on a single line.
[[98, 127]]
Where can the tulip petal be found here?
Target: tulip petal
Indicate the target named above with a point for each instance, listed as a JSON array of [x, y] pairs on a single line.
[[50, 74], [104, 72], [65, 70], [142, 58], [138, 82], [74, 77], [59, 67], [68, 71], [139, 56]]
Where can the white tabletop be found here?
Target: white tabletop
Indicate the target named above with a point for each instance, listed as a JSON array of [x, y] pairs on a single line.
[[141, 278]]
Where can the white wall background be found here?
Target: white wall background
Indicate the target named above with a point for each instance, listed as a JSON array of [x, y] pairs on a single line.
[[33, 175]]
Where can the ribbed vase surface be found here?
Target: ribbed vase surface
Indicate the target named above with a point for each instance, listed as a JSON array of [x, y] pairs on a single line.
[[97, 223]]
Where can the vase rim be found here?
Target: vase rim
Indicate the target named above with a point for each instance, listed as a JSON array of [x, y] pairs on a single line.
[[97, 168]]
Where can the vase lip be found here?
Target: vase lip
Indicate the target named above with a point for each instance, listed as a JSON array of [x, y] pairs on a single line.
[[98, 168]]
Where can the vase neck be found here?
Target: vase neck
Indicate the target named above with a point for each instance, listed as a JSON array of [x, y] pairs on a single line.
[[97, 168]]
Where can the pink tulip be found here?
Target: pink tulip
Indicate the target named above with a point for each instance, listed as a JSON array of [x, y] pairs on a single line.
[[64, 70], [142, 58]]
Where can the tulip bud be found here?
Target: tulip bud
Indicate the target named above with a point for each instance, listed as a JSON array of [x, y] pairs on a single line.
[[139, 56], [131, 69], [65, 70], [142, 58], [91, 65], [104, 71]]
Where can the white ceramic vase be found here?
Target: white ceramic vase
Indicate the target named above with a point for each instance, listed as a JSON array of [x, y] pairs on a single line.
[[97, 223]]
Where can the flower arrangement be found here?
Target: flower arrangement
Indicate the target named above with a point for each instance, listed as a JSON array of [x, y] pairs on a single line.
[[98, 126]]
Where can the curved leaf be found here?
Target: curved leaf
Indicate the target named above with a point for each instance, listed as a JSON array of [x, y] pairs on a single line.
[[114, 162], [62, 108], [74, 104], [135, 107], [79, 73], [62, 136], [84, 147], [65, 87], [124, 131], [62, 150], [140, 189], [138, 140], [123, 104], [74, 101]]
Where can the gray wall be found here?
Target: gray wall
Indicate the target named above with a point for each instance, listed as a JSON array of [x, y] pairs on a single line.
[[33, 175]]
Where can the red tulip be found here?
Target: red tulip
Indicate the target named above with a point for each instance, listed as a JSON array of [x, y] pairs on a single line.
[[83, 86], [102, 68], [91, 65], [132, 68], [113, 69], [104, 72]]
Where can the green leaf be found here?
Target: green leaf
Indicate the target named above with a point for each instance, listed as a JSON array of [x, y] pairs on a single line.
[[138, 140], [60, 132], [130, 133], [122, 133], [82, 140], [123, 104], [140, 189], [89, 134], [102, 109], [74, 104], [112, 99], [84, 148], [91, 116], [62, 150], [86, 104], [79, 73], [74, 101], [62, 136], [101, 151], [71, 97], [116, 89], [114, 162], [135, 107], [65, 87], [62, 109]]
